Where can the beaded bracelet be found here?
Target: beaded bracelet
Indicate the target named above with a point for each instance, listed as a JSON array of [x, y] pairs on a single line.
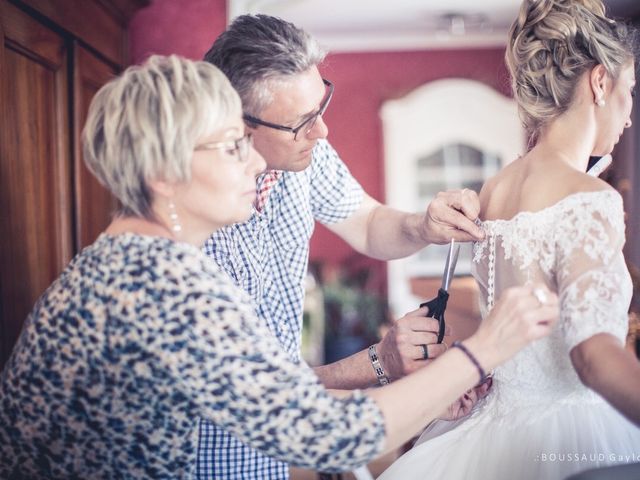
[[377, 367], [473, 359]]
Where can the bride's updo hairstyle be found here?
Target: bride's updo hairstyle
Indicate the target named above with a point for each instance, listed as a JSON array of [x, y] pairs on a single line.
[[552, 44]]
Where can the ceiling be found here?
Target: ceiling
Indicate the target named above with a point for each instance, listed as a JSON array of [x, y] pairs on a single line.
[[383, 25]]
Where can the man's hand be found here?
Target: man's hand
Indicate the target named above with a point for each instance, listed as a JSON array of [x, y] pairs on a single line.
[[463, 406], [401, 350], [452, 215]]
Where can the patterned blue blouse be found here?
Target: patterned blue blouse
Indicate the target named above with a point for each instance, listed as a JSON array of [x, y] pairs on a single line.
[[138, 338], [268, 257]]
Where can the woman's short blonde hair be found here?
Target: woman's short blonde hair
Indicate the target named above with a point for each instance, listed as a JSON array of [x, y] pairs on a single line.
[[552, 44], [144, 125]]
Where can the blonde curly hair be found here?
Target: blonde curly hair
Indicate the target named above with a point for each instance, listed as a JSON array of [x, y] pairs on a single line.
[[552, 43]]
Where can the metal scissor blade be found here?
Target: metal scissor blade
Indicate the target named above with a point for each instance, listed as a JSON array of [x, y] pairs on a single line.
[[450, 265]]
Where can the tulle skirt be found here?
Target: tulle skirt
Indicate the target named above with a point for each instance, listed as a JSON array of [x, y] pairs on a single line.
[[548, 443]]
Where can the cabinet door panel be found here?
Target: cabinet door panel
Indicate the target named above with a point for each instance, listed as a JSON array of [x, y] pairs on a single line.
[[94, 204], [35, 181]]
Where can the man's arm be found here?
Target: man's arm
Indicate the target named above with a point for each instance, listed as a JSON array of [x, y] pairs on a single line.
[[356, 371], [400, 353], [385, 233]]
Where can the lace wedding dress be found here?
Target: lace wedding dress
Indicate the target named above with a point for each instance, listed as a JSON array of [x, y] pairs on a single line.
[[539, 421]]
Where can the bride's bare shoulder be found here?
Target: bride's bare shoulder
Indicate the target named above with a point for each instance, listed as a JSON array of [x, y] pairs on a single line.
[[501, 181], [525, 186], [575, 182]]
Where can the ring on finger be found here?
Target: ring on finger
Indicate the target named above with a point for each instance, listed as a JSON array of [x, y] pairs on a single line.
[[540, 295], [425, 352]]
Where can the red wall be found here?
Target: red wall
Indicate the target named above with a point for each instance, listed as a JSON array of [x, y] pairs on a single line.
[[363, 82], [184, 27]]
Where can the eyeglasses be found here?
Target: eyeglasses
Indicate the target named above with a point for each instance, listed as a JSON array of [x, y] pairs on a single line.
[[240, 147], [306, 125]]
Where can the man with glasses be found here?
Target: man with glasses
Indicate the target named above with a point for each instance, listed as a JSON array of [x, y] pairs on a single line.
[[308, 121], [274, 67]]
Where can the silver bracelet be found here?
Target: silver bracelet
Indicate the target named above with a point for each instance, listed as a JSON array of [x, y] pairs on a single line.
[[377, 367]]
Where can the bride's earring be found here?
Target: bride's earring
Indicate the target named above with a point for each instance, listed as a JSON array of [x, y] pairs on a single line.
[[600, 102], [175, 221]]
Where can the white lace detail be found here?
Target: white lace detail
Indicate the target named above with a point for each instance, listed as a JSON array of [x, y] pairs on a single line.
[[575, 248], [597, 294], [529, 233]]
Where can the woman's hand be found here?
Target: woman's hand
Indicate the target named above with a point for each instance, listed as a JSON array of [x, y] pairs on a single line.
[[520, 316]]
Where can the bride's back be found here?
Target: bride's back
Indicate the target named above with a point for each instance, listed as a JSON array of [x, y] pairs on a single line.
[[532, 183], [547, 220], [533, 240]]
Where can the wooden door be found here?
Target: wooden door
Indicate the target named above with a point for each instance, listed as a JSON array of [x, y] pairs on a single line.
[[93, 203], [35, 178]]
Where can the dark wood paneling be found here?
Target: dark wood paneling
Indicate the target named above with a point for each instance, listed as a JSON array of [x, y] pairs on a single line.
[[94, 204], [35, 180], [123, 10], [89, 20], [54, 55]]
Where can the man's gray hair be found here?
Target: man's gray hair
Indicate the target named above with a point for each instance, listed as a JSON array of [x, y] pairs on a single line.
[[257, 50], [144, 125]]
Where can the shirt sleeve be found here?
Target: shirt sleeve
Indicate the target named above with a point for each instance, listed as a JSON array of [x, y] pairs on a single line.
[[240, 379], [591, 272], [335, 194]]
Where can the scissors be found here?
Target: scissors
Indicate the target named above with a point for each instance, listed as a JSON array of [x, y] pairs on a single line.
[[438, 305]]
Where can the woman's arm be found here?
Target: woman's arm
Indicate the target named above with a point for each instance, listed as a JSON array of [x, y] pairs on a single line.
[[246, 384], [606, 367], [413, 401]]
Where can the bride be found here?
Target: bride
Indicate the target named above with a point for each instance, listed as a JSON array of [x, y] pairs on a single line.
[[571, 401]]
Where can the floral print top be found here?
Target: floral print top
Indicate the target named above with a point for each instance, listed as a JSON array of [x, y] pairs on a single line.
[[138, 338]]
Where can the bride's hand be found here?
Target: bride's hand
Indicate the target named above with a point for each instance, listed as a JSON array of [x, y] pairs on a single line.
[[520, 316], [463, 406]]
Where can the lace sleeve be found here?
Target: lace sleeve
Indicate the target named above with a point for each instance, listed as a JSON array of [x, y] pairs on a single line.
[[593, 282]]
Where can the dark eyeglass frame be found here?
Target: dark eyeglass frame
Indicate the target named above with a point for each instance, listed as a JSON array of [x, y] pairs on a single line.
[[239, 146], [309, 122]]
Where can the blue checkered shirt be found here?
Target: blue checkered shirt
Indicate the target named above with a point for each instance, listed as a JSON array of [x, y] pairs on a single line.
[[267, 256]]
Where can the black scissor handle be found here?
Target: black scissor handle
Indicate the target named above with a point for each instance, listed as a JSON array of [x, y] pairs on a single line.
[[436, 307]]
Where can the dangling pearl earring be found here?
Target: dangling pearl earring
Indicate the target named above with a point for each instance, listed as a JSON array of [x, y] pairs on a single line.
[[600, 102], [175, 221]]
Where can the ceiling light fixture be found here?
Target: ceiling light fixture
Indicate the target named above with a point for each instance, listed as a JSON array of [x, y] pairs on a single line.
[[459, 24]]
